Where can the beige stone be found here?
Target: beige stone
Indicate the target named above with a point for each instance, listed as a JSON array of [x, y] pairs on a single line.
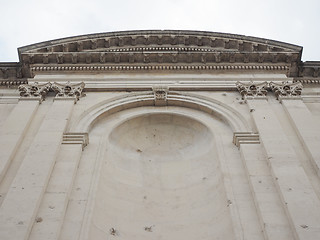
[[160, 135]]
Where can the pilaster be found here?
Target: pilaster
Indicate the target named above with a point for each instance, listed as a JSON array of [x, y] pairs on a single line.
[[19, 208], [55, 200], [306, 127], [298, 197], [17, 123], [272, 217]]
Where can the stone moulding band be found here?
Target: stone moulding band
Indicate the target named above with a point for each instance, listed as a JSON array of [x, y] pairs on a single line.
[[307, 80], [76, 138], [245, 138], [159, 67]]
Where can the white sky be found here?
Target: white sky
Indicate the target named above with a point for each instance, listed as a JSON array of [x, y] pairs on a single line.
[[25, 22]]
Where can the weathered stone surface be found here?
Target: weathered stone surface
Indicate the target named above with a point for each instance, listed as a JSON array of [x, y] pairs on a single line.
[[174, 135]]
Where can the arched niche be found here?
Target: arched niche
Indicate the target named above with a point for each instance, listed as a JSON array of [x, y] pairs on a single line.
[[160, 175]]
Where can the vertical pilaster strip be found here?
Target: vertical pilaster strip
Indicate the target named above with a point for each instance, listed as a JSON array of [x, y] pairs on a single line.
[[296, 192], [53, 207], [272, 216], [19, 208], [15, 126], [307, 128], [299, 200], [13, 131]]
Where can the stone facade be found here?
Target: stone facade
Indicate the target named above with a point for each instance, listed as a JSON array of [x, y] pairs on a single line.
[[160, 135]]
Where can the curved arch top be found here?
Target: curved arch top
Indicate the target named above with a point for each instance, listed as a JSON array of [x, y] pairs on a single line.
[[220, 110]]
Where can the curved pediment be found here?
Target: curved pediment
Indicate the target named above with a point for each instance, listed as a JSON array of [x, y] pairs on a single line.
[[161, 50], [166, 40]]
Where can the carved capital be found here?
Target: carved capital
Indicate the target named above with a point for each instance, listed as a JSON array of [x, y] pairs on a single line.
[[34, 90], [286, 90], [160, 95], [68, 90], [252, 90]]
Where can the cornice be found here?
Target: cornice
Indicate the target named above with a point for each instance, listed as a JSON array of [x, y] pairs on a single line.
[[140, 49], [160, 37], [309, 70], [159, 50]]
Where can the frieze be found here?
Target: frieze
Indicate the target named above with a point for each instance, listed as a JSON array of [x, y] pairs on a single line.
[[165, 56]]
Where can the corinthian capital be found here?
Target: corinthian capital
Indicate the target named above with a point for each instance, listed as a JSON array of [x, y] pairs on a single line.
[[286, 89], [252, 90], [34, 90], [68, 90]]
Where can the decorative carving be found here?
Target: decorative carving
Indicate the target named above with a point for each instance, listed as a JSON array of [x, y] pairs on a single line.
[[34, 90], [160, 95], [59, 58], [45, 59], [252, 90], [74, 58], [4, 72], [286, 89], [68, 90]]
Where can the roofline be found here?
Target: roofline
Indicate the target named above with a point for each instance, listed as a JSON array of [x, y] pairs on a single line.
[[163, 32]]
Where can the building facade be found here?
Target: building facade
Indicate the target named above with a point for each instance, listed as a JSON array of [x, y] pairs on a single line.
[[160, 135]]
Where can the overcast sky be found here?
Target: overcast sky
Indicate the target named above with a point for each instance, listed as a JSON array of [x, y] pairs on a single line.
[[25, 22]]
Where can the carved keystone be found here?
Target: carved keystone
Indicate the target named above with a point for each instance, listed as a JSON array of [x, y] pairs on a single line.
[[160, 95], [287, 90], [34, 91], [252, 90], [68, 90]]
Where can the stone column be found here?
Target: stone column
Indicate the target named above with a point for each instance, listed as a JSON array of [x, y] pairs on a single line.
[[297, 195], [13, 130], [20, 206], [307, 128]]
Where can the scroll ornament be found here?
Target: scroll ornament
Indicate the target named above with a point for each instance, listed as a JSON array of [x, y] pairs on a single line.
[[286, 89], [68, 90], [34, 90], [252, 90]]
